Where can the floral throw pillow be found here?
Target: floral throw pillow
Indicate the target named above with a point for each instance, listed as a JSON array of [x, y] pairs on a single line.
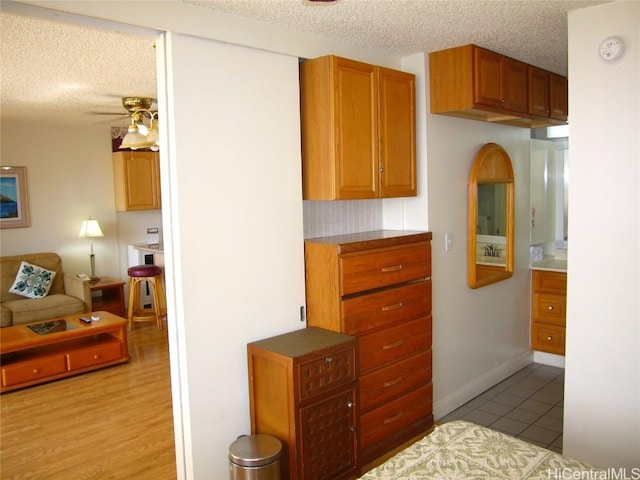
[[32, 281]]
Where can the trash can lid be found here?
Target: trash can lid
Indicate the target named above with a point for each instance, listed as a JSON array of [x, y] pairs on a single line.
[[255, 450]]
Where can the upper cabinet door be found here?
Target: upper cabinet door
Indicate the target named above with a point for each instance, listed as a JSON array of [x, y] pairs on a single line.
[[355, 120], [397, 120], [538, 92], [514, 85], [358, 130], [487, 73], [559, 97], [137, 180]]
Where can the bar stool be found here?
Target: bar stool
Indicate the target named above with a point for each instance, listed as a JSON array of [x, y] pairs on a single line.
[[153, 275]]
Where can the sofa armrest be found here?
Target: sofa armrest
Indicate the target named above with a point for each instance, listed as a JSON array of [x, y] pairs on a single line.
[[76, 287]]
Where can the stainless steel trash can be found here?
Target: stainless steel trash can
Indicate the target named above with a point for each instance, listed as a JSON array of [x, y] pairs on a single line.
[[255, 457]]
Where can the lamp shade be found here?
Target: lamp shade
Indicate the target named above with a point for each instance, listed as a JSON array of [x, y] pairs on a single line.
[[90, 229]]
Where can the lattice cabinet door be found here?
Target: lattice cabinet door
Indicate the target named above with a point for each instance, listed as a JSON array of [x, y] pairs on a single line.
[[326, 452]]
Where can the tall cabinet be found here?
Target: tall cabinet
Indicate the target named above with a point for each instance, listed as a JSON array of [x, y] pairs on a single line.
[[358, 130], [377, 286]]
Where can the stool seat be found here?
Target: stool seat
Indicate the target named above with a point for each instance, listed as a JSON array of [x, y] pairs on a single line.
[[152, 275], [144, 271]]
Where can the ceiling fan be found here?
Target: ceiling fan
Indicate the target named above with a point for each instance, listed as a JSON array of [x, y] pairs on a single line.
[[140, 134]]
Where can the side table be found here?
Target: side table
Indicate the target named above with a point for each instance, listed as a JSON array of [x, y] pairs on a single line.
[[108, 294]]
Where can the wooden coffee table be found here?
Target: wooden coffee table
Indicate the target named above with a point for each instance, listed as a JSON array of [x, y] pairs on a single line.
[[66, 346]]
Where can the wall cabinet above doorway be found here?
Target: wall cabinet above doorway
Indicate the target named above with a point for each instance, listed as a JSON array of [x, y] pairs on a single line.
[[136, 176], [358, 130], [478, 84]]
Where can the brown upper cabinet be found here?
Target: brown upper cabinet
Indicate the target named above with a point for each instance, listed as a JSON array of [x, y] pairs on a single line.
[[358, 130], [476, 83], [136, 176]]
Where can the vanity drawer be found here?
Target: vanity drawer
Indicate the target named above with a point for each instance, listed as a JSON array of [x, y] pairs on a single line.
[[362, 272], [370, 312], [549, 308], [393, 343], [94, 355], [547, 338], [393, 416], [394, 380], [35, 369], [549, 282], [326, 371]]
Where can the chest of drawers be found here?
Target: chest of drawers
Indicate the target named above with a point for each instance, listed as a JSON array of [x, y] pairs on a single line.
[[377, 287], [302, 390], [548, 311]]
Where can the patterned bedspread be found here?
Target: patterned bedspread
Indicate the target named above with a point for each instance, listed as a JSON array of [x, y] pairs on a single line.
[[461, 450]]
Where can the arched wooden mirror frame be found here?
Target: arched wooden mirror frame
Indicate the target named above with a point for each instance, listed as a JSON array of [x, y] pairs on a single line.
[[491, 165]]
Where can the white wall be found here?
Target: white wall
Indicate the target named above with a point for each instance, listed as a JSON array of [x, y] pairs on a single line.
[[479, 336], [602, 381], [236, 217], [67, 184]]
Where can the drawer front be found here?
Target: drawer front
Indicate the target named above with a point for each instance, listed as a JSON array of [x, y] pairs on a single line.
[[549, 282], [382, 422], [362, 272], [395, 380], [94, 355], [549, 308], [547, 338], [326, 372], [33, 370], [387, 346], [377, 310]]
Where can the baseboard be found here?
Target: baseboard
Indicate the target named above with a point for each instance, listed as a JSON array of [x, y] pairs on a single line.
[[548, 359], [471, 390]]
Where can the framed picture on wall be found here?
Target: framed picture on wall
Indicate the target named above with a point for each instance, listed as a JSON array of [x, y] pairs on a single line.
[[14, 204]]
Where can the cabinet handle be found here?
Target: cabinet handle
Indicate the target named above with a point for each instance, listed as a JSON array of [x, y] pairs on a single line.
[[392, 307], [395, 344], [328, 361], [396, 417], [393, 382], [549, 338], [35, 370], [350, 404], [393, 268], [96, 356], [550, 307]]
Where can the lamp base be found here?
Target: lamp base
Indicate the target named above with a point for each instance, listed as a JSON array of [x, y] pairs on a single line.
[[93, 277]]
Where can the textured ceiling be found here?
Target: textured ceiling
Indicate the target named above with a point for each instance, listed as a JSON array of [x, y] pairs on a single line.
[[59, 70], [534, 31]]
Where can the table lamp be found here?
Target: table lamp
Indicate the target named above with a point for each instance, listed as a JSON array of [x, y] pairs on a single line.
[[91, 229]]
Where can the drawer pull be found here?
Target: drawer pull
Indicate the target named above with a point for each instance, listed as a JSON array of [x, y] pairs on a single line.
[[96, 356], [328, 361], [393, 268], [550, 307], [395, 418], [396, 344], [549, 338], [350, 404], [392, 307], [393, 382], [36, 371]]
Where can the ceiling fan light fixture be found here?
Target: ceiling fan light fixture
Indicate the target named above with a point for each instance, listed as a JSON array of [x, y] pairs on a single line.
[[139, 135]]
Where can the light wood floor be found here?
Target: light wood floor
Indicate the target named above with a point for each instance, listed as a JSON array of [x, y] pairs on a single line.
[[114, 423]]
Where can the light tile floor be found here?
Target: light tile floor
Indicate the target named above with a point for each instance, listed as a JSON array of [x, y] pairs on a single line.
[[528, 405]]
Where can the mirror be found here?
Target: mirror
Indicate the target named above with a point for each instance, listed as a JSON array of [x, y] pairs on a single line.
[[491, 217]]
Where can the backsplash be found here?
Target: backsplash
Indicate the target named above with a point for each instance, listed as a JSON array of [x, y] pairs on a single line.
[[323, 219]]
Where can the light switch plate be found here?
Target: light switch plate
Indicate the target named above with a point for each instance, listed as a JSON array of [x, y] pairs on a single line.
[[448, 242]]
